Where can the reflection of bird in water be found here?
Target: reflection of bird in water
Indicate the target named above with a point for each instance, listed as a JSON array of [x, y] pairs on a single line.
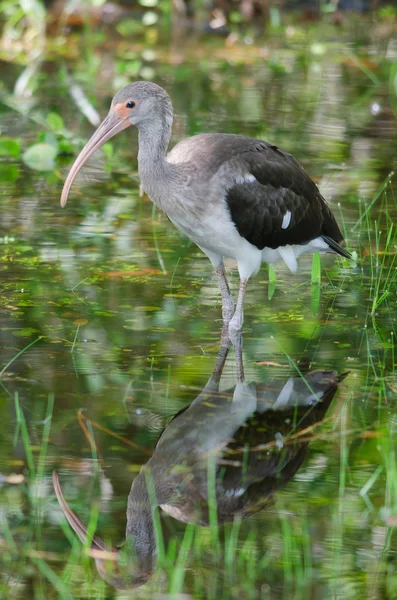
[[234, 196], [251, 438]]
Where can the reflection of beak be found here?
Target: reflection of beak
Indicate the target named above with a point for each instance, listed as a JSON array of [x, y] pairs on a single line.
[[111, 125], [107, 558], [98, 549], [78, 526]]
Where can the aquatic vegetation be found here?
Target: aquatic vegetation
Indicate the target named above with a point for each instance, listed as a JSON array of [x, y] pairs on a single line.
[[109, 318]]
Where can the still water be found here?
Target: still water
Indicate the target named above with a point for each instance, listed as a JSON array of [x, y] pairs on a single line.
[[110, 325]]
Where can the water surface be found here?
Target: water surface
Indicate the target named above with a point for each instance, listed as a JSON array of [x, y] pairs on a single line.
[[123, 319]]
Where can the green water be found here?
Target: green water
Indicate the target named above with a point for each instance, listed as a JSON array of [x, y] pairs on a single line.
[[123, 319]]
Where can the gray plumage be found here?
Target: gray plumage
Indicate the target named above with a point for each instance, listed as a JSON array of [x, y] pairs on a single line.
[[234, 196]]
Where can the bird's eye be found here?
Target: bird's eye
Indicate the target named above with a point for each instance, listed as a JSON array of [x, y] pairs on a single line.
[[130, 104]]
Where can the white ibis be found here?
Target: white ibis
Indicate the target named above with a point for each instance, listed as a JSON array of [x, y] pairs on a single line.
[[234, 196], [253, 434]]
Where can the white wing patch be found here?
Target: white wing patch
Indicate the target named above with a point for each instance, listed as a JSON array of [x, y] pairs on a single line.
[[235, 492], [247, 178], [286, 220]]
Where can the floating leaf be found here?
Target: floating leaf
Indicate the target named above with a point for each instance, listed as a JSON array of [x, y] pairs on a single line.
[[40, 157], [8, 173], [24, 332], [55, 121], [80, 322], [10, 147]]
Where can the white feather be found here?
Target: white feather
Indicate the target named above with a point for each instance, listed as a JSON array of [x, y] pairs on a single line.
[[235, 492], [247, 178], [286, 220], [284, 395], [244, 399], [288, 255]]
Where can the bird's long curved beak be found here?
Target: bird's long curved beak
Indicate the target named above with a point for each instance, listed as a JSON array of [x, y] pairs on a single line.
[[78, 526], [110, 126], [107, 558]]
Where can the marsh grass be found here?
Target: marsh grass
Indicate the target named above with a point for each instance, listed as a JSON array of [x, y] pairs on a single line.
[[330, 533], [245, 561], [272, 282], [275, 551], [241, 555]]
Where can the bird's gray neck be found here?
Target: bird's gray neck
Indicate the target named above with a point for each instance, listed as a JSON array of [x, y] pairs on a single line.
[[154, 137], [140, 527]]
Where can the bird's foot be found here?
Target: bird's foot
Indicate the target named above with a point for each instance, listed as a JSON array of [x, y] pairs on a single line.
[[234, 328], [227, 309]]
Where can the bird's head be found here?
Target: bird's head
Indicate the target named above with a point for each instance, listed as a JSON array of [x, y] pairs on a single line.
[[139, 102], [136, 104]]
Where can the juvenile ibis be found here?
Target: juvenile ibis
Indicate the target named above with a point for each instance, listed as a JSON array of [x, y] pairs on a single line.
[[234, 196], [254, 435]]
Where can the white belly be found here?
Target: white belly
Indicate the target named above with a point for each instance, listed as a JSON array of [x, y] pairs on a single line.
[[212, 230], [217, 236]]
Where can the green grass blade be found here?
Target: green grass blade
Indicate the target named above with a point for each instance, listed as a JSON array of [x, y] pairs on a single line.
[[25, 436], [316, 280], [45, 438], [272, 282], [378, 192], [19, 354], [178, 572], [52, 577]]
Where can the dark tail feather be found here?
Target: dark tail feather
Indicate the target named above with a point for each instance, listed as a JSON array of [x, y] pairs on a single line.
[[336, 247]]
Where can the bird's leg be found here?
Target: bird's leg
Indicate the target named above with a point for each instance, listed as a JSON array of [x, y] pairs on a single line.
[[236, 322], [238, 351], [227, 299], [213, 382]]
